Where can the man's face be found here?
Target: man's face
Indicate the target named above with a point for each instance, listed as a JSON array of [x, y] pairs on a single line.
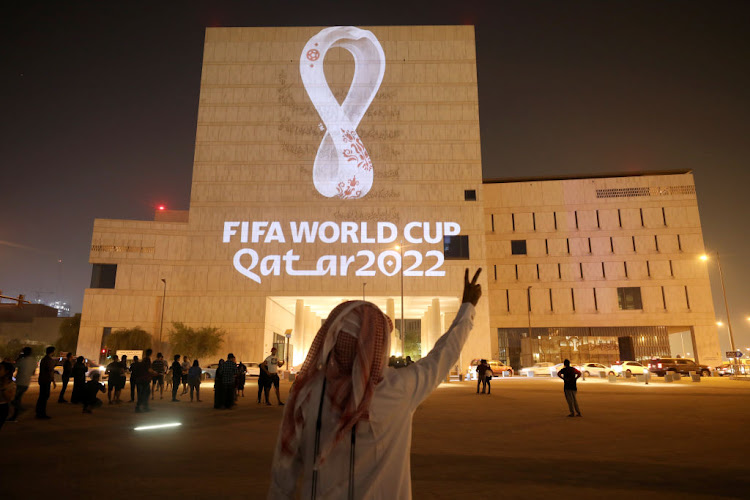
[[273, 351]]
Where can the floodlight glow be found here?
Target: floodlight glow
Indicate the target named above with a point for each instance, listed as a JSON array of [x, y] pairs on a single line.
[[160, 426], [704, 257]]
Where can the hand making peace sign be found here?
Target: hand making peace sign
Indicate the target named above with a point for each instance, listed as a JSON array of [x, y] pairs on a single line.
[[472, 291]]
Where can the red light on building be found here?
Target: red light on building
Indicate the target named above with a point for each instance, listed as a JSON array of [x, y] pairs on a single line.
[[161, 207]]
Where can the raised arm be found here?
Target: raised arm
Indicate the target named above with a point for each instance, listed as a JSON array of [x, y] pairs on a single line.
[[422, 377]]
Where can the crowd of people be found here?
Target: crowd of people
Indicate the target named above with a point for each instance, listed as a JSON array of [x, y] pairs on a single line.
[[147, 378]]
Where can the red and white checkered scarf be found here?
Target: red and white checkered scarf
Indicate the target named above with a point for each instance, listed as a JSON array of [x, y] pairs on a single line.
[[350, 350]]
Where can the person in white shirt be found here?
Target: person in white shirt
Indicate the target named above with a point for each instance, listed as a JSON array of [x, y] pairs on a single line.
[[347, 424], [272, 364]]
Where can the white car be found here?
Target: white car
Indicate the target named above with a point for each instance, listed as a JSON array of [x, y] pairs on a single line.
[[627, 368], [543, 368], [589, 369]]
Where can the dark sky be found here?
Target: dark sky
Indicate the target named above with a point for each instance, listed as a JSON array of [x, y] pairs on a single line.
[[98, 104]]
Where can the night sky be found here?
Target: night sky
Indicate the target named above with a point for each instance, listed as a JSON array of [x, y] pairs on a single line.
[[99, 103]]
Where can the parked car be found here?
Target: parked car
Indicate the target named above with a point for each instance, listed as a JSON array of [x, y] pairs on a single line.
[[627, 368], [542, 368], [498, 367], [589, 369], [683, 366], [725, 369], [253, 370], [89, 364], [210, 371]]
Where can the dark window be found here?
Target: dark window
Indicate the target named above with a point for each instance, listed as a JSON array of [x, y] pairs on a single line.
[[513, 221], [516, 272], [656, 242], [580, 268], [648, 269], [559, 271], [470, 195], [597, 219], [663, 298], [492, 219], [687, 297], [533, 220], [633, 239], [554, 217], [619, 218], [567, 244], [671, 269], [551, 307], [611, 244], [537, 271], [573, 298], [679, 243], [518, 247], [641, 216], [103, 275], [663, 216], [626, 269], [604, 273], [575, 213], [495, 267], [596, 303], [456, 247], [507, 300], [589, 244], [546, 247], [629, 298]]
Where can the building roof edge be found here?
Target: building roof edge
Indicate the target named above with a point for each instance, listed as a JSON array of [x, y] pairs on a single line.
[[504, 180]]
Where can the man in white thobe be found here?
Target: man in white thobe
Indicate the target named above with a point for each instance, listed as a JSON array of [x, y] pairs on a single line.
[[348, 360]]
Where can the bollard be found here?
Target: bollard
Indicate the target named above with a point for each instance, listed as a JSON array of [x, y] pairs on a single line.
[[676, 377], [640, 378], [668, 377], [695, 377], [612, 378], [603, 374]]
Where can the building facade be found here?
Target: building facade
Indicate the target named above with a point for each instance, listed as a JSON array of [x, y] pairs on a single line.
[[598, 269], [327, 157]]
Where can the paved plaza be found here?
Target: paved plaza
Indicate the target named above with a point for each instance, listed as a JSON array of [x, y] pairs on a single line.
[[678, 440]]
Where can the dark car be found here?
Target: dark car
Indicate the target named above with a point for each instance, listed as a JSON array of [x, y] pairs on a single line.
[[683, 366]]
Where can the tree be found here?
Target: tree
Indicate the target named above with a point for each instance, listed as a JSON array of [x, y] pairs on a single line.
[[68, 340], [195, 343], [129, 339], [12, 348]]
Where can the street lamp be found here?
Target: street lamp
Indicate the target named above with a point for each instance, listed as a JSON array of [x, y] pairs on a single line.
[[704, 258], [163, 298], [403, 330]]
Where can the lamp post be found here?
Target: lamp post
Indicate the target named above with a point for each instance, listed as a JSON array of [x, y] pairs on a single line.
[[163, 298], [704, 258]]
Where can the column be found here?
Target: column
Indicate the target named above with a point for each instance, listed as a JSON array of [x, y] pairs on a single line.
[[298, 334], [435, 322]]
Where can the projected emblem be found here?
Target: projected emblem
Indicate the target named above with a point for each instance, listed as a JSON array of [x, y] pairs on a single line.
[[343, 168]]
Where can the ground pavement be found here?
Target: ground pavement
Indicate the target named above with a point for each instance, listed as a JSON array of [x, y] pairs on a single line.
[[679, 440]]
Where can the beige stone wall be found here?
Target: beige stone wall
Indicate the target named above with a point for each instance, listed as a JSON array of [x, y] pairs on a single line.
[[556, 215], [256, 141]]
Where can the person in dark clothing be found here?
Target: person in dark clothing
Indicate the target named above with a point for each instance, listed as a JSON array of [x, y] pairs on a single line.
[[228, 377], [92, 390], [143, 375], [569, 376], [46, 377], [264, 383], [194, 380], [176, 377], [7, 389], [481, 375], [79, 380], [133, 383], [66, 373], [240, 379], [160, 367], [114, 369], [488, 374], [218, 386]]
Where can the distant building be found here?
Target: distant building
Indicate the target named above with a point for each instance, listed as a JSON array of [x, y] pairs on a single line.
[[63, 308], [34, 323]]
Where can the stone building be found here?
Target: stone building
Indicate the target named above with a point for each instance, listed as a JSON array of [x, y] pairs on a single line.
[[326, 157]]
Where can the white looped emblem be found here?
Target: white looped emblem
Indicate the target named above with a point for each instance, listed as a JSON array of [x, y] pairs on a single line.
[[343, 168]]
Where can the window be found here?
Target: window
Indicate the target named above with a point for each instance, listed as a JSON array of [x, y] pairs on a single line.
[[648, 269], [626, 268], [456, 247], [687, 297], [559, 271], [629, 298], [551, 307], [619, 218], [604, 272], [575, 213], [470, 195], [611, 245], [573, 298], [537, 271], [492, 220], [663, 298], [589, 244], [546, 246], [633, 239], [597, 220], [507, 300], [554, 218], [641, 210], [495, 267], [103, 275], [656, 242], [671, 269], [679, 243], [513, 221], [663, 216], [533, 220], [580, 268], [596, 303], [567, 244], [516, 272], [518, 247]]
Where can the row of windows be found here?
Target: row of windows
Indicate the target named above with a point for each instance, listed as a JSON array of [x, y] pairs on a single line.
[[628, 298], [613, 218], [612, 245], [585, 270]]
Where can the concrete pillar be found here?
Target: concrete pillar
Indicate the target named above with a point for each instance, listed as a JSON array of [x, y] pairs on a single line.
[[435, 322], [308, 331], [390, 311], [424, 334], [298, 334]]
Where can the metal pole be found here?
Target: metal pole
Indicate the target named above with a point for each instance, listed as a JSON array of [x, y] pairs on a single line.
[[726, 306], [528, 297], [163, 298], [403, 329]]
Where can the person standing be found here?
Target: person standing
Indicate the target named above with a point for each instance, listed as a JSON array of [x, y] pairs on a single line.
[[264, 382], [218, 386], [160, 367], [133, 383], [185, 370], [176, 377], [7, 390], [26, 366], [347, 405], [274, 363], [143, 375], [114, 369], [241, 372], [194, 381], [228, 380], [46, 377], [67, 370], [92, 390], [481, 379], [569, 375], [79, 380], [488, 374]]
